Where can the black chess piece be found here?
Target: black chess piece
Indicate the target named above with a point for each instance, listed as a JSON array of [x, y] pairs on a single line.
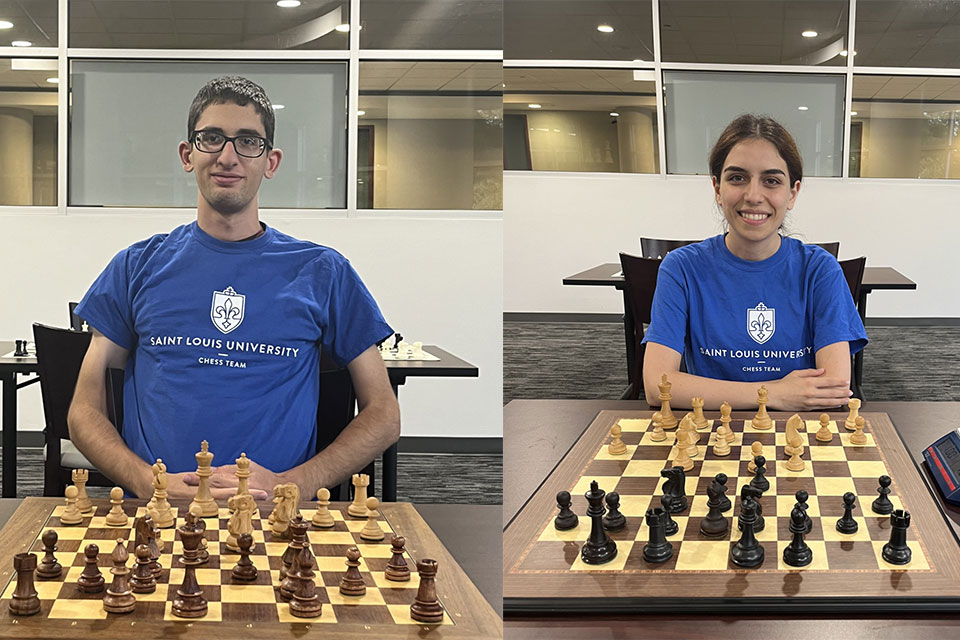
[[675, 488], [91, 580], [802, 497], [847, 524], [244, 570], [49, 568], [670, 526], [614, 520], [658, 549], [759, 479], [566, 519], [896, 551], [882, 505], [142, 579], [396, 341], [752, 493], [715, 524], [725, 503], [21, 349], [598, 548], [747, 551], [797, 553]]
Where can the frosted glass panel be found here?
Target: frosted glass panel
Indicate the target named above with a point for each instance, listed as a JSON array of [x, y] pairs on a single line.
[[700, 105], [127, 119]]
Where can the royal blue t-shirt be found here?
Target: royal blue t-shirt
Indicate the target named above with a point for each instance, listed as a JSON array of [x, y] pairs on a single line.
[[735, 319], [223, 340]]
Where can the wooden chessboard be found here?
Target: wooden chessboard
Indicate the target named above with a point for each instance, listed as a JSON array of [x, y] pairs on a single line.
[[543, 571], [235, 610]]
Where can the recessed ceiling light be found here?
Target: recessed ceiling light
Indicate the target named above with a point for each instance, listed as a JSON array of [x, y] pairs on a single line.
[[637, 60], [277, 107], [343, 28], [361, 113], [802, 108], [534, 106], [4, 24], [53, 80], [853, 113], [809, 33], [844, 53], [614, 114], [604, 28], [21, 43], [288, 4]]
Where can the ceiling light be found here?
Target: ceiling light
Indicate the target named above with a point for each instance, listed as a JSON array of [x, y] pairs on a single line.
[[277, 107], [614, 114], [4, 24], [604, 28], [288, 4], [53, 80], [802, 108], [534, 106], [21, 43], [343, 28], [809, 33], [844, 53], [637, 60], [853, 113], [361, 113]]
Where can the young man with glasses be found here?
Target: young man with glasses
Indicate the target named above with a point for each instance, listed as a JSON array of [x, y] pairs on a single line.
[[219, 324]]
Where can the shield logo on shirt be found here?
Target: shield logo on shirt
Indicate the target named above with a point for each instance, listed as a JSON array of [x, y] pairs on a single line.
[[761, 323], [226, 310]]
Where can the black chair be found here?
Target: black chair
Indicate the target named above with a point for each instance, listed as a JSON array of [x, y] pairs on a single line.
[[59, 356], [76, 322], [853, 273], [640, 281], [659, 247]]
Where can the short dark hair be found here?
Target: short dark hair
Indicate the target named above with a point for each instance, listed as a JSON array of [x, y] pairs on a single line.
[[751, 126], [239, 91]]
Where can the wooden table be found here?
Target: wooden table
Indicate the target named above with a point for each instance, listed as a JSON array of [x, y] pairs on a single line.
[[399, 371], [538, 433], [610, 275]]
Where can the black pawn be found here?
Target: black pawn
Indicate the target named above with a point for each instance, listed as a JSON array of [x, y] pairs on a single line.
[[49, 568], [802, 497], [847, 524], [658, 549], [614, 520], [142, 579], [747, 552], [759, 480], [725, 503], [566, 519], [896, 551], [670, 526], [797, 553], [715, 525], [91, 580], [244, 571], [882, 505], [598, 548]]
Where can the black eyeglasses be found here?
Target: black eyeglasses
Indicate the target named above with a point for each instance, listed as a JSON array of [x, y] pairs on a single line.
[[246, 145]]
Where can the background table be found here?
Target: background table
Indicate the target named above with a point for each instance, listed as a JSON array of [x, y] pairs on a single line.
[[538, 433], [399, 371], [609, 275]]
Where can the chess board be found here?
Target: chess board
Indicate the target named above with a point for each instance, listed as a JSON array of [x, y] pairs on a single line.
[[240, 610], [392, 355], [543, 570]]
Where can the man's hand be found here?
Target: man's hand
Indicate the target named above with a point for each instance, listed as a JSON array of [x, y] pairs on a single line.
[[807, 390], [223, 482]]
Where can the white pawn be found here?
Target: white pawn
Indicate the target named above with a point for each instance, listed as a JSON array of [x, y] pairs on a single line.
[[71, 514], [721, 447], [323, 518], [372, 530], [658, 434], [616, 446], [116, 517]]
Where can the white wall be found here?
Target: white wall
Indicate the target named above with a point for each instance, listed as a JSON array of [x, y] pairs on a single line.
[[437, 278], [558, 224]]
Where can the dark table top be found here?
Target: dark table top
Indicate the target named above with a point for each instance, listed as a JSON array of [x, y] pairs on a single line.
[[538, 433], [874, 278]]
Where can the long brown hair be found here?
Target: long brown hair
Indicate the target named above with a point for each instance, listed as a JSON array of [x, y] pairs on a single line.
[[751, 126]]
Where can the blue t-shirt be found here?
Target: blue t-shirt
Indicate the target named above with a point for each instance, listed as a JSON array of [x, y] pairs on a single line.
[[746, 321], [223, 340]]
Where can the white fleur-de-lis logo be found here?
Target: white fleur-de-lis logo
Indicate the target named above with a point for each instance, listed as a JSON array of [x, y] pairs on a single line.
[[761, 323], [226, 310]]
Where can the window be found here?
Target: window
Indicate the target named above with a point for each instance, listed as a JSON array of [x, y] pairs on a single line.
[[32, 24], [906, 33], [431, 24], [28, 131]]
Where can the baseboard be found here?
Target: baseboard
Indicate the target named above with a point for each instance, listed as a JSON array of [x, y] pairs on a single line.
[[616, 318]]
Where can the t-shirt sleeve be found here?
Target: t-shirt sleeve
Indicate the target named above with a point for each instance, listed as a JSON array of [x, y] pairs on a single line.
[[668, 314], [107, 306], [354, 322], [835, 317]]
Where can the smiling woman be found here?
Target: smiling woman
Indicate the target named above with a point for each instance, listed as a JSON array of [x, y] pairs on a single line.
[[800, 325]]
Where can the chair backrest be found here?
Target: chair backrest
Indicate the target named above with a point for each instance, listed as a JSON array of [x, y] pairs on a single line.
[[76, 322], [853, 272], [59, 356], [659, 247], [640, 281], [833, 248]]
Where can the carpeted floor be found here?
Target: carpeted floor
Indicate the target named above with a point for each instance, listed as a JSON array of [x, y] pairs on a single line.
[[588, 360]]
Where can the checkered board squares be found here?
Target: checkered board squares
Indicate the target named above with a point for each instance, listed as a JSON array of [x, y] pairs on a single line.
[[831, 469], [385, 602]]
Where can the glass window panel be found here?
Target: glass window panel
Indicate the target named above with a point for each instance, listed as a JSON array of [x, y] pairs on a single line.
[[751, 32], [585, 120], [28, 131], [431, 24], [907, 33], [120, 158], [905, 127], [699, 106], [208, 24], [34, 21], [430, 135], [567, 30]]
